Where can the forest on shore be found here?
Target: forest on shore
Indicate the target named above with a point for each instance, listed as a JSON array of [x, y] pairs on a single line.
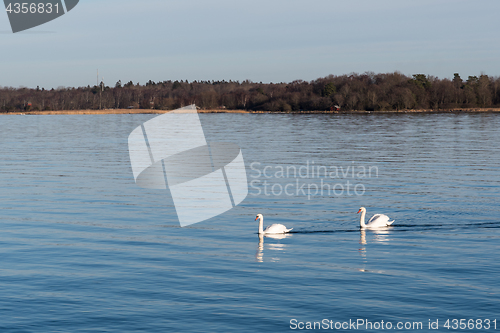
[[368, 91]]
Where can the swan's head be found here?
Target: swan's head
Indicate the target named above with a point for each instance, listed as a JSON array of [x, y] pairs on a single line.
[[362, 209], [259, 216]]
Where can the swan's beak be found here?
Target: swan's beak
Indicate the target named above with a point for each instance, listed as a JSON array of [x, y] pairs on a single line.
[[358, 211], [256, 218]]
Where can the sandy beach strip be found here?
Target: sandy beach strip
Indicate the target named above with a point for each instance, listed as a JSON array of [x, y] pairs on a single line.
[[145, 111]]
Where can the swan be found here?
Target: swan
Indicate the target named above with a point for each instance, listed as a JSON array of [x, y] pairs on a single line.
[[272, 229], [377, 220]]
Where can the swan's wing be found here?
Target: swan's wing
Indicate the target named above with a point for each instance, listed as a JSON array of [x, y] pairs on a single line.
[[276, 229], [379, 220], [377, 217]]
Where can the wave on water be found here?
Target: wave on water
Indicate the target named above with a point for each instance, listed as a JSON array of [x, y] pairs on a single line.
[[407, 227]]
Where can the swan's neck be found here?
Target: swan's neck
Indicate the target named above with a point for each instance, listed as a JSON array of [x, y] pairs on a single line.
[[362, 219], [261, 225]]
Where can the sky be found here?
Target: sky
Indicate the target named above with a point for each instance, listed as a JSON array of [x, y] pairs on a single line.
[[258, 40]]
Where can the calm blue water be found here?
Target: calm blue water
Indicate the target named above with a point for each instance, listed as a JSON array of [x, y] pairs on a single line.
[[83, 249]]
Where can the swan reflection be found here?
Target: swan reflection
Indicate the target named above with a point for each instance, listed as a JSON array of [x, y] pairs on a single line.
[[259, 255], [362, 241], [362, 237], [380, 235]]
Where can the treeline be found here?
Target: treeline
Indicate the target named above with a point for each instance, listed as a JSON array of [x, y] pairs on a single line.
[[368, 91]]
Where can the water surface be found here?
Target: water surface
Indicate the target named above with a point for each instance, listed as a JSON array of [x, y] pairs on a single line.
[[82, 248]]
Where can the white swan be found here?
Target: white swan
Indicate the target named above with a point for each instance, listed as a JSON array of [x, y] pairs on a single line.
[[272, 229], [377, 220]]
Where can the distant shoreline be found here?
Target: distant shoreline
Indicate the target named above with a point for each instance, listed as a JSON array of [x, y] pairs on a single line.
[[145, 111]]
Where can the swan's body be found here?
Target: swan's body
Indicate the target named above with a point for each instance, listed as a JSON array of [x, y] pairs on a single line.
[[376, 221], [272, 229]]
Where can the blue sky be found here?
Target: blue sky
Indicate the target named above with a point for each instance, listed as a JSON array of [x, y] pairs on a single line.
[[259, 40]]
